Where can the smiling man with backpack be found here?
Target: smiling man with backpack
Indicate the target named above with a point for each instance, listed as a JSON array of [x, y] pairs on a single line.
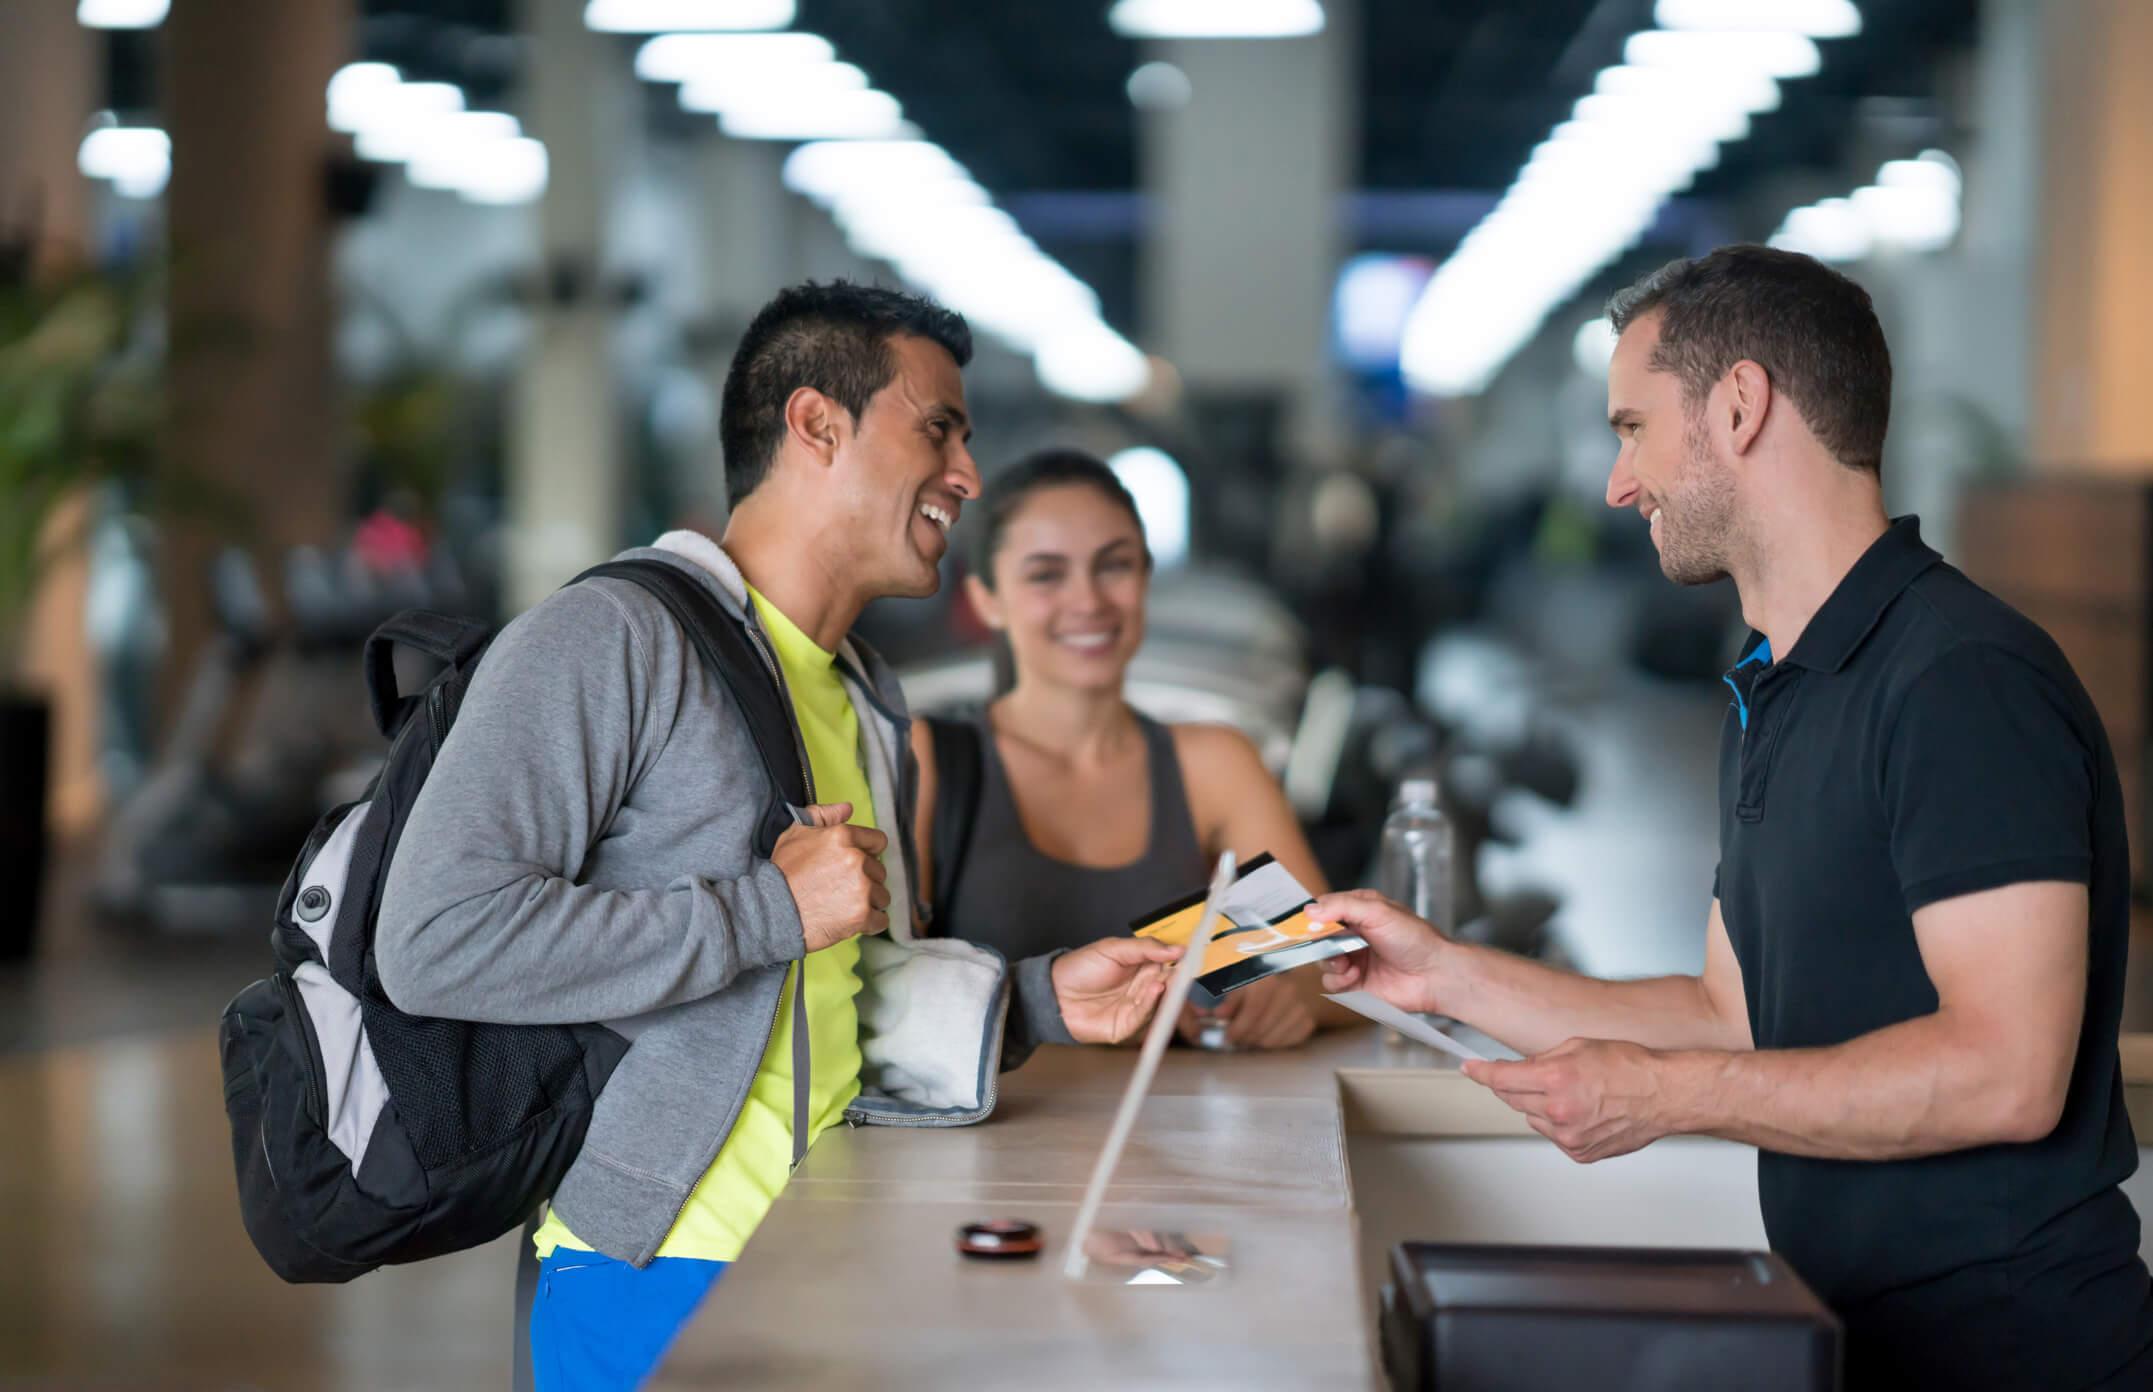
[[594, 842]]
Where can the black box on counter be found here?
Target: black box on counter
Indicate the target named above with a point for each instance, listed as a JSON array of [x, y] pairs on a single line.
[[1472, 1318]]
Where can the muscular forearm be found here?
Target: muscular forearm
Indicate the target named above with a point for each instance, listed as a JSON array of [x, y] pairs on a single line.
[[1532, 1007], [1918, 1088]]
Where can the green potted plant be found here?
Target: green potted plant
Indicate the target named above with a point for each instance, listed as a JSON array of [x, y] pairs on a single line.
[[80, 401]]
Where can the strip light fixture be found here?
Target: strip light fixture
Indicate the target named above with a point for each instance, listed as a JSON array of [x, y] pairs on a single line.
[[482, 156], [1650, 125], [670, 16], [1216, 19], [1912, 207], [899, 198], [136, 160], [122, 14], [1819, 19]]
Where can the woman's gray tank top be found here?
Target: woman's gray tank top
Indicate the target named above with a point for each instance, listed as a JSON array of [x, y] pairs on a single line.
[[1021, 902]]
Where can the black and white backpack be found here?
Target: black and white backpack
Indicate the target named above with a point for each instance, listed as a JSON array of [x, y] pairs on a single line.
[[363, 1135]]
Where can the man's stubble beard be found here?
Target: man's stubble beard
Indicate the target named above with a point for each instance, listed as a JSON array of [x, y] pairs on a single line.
[[1700, 523]]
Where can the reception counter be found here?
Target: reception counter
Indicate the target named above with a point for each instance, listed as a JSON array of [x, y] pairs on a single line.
[[1308, 1163]]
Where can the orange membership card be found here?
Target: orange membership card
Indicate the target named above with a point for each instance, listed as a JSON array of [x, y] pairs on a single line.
[[1264, 930]]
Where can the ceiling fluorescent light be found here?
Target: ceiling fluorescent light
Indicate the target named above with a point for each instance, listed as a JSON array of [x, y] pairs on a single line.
[[1216, 19], [897, 233], [1090, 362], [1594, 186], [994, 308], [898, 197], [905, 202], [1908, 218], [877, 205], [514, 171], [1750, 91], [1819, 19], [136, 160], [823, 171], [1775, 53], [1934, 171], [776, 114], [686, 57], [1592, 154], [360, 93], [1672, 115], [719, 92], [457, 145], [405, 119], [121, 14], [665, 16], [1830, 231], [1912, 207]]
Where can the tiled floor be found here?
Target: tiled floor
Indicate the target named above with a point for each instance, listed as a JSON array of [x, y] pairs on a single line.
[[127, 1266]]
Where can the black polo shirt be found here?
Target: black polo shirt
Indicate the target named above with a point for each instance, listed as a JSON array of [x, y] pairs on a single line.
[[1924, 741]]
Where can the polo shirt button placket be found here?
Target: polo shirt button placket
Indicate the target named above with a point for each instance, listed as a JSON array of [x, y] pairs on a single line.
[[1764, 696]]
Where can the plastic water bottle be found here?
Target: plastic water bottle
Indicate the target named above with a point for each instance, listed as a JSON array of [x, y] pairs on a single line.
[[1413, 867]]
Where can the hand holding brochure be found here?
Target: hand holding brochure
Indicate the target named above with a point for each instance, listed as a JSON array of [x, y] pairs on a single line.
[[1266, 930]]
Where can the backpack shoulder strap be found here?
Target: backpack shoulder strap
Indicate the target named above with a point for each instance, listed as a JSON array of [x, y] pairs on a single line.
[[723, 644], [443, 637], [957, 776]]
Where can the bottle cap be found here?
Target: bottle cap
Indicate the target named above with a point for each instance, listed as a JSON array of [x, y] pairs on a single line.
[[1416, 792]]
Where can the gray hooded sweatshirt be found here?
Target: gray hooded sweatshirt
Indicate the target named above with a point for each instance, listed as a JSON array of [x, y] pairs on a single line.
[[581, 852]]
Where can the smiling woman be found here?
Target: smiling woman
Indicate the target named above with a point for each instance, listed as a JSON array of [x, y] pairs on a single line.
[[1087, 813]]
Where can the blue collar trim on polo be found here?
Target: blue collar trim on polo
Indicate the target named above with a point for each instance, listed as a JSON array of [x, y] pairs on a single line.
[[1759, 656]]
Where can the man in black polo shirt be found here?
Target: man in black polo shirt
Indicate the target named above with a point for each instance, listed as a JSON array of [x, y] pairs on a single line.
[[1914, 959]]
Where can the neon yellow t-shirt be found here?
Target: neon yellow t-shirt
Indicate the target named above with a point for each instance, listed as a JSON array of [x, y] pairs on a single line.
[[730, 1200]]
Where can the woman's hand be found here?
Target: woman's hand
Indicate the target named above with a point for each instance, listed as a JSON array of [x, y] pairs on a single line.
[[1108, 989]]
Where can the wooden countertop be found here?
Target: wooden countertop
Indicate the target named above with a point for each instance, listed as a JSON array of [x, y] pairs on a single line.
[[853, 1280]]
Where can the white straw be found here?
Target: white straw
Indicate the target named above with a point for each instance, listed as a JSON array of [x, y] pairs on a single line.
[[1147, 1063]]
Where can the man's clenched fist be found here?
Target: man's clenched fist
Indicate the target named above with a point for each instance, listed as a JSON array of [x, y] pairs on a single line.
[[836, 876]]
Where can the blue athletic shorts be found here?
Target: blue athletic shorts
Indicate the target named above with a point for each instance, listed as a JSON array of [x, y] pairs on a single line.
[[600, 1325]]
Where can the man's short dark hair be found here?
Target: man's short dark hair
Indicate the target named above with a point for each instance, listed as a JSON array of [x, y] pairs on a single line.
[[836, 338], [1812, 330]]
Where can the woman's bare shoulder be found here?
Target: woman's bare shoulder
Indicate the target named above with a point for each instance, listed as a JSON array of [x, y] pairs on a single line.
[[1215, 750]]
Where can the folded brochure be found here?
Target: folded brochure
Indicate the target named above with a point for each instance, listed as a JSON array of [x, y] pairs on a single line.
[[1411, 1026], [1265, 930]]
